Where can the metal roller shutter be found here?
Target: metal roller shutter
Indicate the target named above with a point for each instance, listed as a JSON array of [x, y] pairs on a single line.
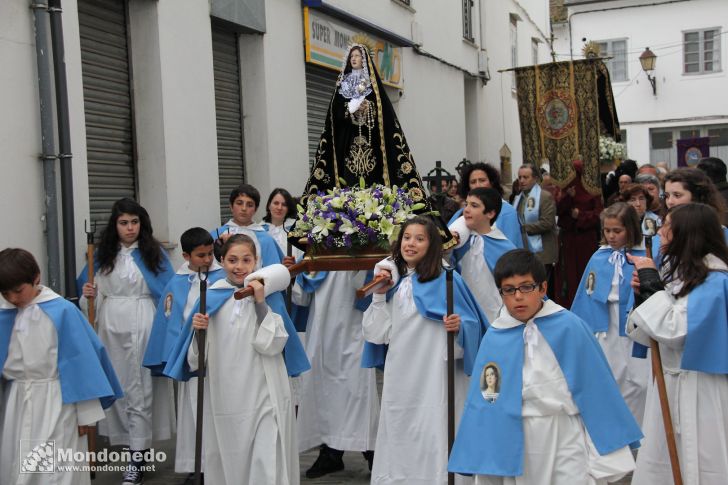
[[320, 83], [228, 113], [107, 105]]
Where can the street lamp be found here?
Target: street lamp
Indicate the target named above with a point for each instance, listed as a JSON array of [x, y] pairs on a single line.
[[648, 59]]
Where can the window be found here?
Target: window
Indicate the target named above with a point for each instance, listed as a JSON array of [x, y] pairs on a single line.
[[468, 20], [617, 65], [701, 51], [514, 47], [663, 141], [534, 51], [718, 136]]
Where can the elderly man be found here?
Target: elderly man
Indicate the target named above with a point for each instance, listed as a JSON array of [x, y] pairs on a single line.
[[537, 212]]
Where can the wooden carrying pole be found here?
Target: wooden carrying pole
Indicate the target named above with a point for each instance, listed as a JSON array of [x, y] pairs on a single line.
[[450, 373], [659, 376], [201, 343], [379, 281], [90, 247]]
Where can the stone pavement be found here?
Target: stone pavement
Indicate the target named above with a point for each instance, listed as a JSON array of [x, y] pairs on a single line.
[[355, 473]]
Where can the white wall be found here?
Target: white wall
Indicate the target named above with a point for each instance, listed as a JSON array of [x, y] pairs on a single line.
[[501, 105], [681, 99], [274, 102], [178, 181], [21, 184]]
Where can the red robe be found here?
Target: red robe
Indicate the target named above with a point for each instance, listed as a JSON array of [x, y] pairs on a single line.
[[579, 238]]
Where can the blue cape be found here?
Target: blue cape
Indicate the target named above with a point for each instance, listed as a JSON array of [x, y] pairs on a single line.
[[166, 328], [490, 436], [493, 249], [84, 368], [507, 222], [155, 282], [293, 353], [594, 308], [270, 252], [431, 302], [706, 344]]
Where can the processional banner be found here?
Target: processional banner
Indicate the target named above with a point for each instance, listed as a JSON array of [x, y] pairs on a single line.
[[563, 108]]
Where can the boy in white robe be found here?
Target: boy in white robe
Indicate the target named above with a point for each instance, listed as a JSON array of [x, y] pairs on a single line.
[[244, 202], [480, 245], [551, 414], [57, 373], [181, 294]]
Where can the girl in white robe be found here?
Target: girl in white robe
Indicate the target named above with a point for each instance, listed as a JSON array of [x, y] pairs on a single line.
[[604, 297], [411, 445], [688, 320], [249, 434], [127, 291], [42, 406]]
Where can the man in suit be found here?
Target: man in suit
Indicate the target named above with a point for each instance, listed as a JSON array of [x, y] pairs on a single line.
[[537, 212]]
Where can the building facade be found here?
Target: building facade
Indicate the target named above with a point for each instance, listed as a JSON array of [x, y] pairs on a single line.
[[174, 102], [689, 39]]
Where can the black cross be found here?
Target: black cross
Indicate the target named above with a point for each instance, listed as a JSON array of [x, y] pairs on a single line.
[[440, 174]]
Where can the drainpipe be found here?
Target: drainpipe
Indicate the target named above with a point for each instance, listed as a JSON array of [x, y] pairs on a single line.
[[64, 156], [40, 13]]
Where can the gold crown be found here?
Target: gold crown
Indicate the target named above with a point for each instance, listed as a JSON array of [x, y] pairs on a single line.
[[591, 49], [362, 39]]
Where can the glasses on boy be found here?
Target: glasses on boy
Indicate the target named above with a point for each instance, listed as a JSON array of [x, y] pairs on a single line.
[[511, 290]]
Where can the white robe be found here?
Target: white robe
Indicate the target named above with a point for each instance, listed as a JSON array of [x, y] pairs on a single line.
[[125, 311], [631, 373], [280, 236], [478, 277], [411, 443], [698, 402], [339, 400], [184, 455], [35, 412], [249, 435], [557, 449]]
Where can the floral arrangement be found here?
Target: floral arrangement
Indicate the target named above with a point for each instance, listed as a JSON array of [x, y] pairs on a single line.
[[354, 218], [610, 149]]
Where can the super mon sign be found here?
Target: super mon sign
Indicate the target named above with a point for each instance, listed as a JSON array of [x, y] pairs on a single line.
[[327, 40]]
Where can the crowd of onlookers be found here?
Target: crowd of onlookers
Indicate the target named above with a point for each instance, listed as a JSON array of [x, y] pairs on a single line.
[[570, 233]]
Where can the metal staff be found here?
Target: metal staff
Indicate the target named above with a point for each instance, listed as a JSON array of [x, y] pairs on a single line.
[[90, 247], [659, 376], [201, 342], [450, 372]]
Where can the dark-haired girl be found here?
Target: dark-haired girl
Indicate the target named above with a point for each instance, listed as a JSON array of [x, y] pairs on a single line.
[[685, 310], [249, 434], [686, 185], [484, 175], [604, 298], [131, 273], [411, 442], [280, 213]]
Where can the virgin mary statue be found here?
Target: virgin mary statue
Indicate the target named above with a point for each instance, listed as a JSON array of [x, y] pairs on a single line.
[[362, 137]]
